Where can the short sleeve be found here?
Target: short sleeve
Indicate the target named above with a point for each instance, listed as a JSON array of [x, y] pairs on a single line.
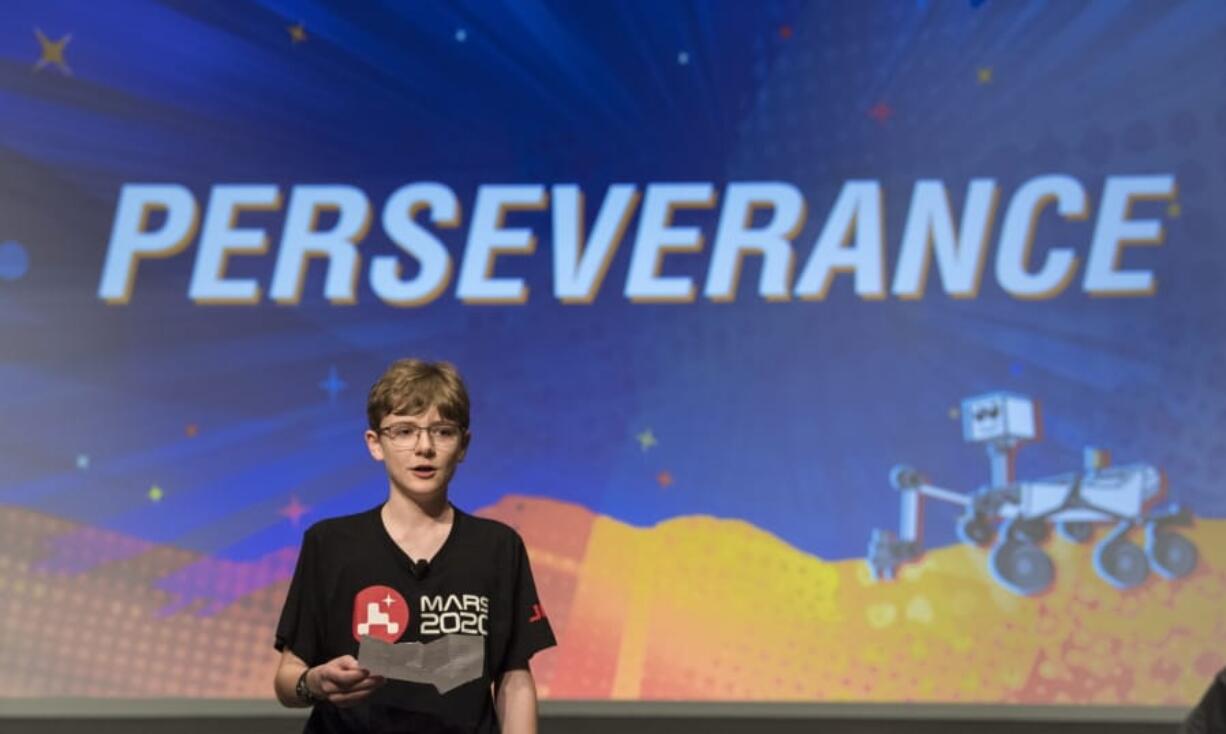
[[298, 629], [530, 629], [1210, 714]]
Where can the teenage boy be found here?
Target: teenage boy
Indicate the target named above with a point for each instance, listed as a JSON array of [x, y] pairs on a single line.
[[450, 595]]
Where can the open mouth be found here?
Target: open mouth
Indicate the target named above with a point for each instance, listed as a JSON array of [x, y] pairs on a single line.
[[424, 472]]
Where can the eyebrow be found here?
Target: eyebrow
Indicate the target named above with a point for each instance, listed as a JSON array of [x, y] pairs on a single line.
[[453, 424]]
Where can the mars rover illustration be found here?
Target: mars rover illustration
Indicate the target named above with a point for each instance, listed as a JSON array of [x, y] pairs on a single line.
[[1019, 515]]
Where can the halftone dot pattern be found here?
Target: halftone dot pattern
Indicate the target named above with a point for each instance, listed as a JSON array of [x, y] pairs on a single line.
[[687, 608], [557, 536], [101, 634], [1139, 137], [726, 612], [210, 584], [89, 547]]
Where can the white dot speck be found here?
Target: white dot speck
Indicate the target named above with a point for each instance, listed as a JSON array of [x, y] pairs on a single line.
[[683, 58], [461, 35]]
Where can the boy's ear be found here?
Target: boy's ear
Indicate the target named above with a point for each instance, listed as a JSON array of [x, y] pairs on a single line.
[[373, 446]]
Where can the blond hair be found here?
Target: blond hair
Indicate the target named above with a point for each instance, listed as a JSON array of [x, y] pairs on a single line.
[[412, 386]]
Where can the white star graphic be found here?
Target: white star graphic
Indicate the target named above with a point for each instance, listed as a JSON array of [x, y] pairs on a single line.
[[388, 600]]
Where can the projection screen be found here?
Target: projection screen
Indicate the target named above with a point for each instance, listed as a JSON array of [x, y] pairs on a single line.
[[864, 353]]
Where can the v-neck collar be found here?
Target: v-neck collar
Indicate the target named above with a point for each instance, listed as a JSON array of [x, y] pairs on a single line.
[[398, 552]]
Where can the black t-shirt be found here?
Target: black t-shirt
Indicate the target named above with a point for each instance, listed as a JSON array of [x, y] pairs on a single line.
[[1209, 716], [352, 578]]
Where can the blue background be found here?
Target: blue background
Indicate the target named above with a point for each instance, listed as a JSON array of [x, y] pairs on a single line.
[[787, 415]]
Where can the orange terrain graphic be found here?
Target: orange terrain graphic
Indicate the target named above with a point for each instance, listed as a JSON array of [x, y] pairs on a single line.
[[694, 608]]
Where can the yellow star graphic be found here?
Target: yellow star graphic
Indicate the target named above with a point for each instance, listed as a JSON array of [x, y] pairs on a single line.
[[646, 439], [1174, 210], [985, 75], [297, 33], [52, 52], [156, 494]]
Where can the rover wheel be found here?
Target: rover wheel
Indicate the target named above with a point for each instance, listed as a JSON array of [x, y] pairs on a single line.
[[1173, 555], [1122, 563], [1022, 567]]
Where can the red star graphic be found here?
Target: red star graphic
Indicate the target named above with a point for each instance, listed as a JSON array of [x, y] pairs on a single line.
[[191, 430], [294, 510], [664, 479], [881, 112]]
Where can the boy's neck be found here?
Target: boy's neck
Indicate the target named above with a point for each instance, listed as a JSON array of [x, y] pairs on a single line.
[[410, 512]]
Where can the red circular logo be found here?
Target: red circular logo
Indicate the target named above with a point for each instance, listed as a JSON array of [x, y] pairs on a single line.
[[380, 612]]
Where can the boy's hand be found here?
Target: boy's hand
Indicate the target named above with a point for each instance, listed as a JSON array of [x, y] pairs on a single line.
[[342, 682]]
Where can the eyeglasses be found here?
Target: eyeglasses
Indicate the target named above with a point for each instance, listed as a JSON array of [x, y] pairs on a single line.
[[406, 435]]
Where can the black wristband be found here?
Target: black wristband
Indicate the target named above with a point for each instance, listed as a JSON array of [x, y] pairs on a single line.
[[303, 691]]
